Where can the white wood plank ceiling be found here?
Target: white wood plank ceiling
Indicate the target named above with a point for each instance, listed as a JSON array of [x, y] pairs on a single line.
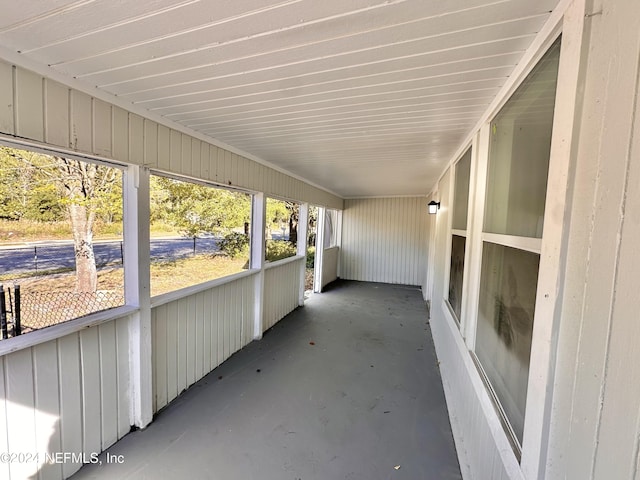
[[362, 97]]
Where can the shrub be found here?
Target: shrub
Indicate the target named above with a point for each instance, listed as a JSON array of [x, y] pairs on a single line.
[[279, 249], [235, 244], [311, 257]]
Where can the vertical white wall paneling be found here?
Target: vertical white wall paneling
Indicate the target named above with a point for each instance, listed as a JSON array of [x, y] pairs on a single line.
[[181, 349], [125, 417], [91, 395], [381, 240], [136, 139], [199, 334], [6, 98], [164, 148], [185, 155], [21, 422], [213, 163], [205, 164], [172, 351], [70, 399], [220, 165], [160, 360], [102, 134], [56, 105], [81, 122], [120, 131], [29, 105], [235, 169], [108, 383], [330, 265], [150, 143], [47, 402], [196, 169], [281, 291], [175, 156], [191, 321], [4, 444]]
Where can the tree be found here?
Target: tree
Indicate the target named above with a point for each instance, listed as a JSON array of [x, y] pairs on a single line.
[[84, 185], [294, 214], [85, 191], [195, 209]]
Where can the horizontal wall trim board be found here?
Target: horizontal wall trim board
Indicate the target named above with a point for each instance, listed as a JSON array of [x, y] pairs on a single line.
[[533, 245], [31, 339], [284, 261], [201, 287]]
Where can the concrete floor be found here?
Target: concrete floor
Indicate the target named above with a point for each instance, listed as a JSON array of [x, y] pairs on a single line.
[[347, 387]]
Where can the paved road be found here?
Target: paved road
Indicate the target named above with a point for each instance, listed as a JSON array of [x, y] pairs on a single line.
[[52, 256]]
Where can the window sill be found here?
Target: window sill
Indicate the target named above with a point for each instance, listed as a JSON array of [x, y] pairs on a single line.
[[54, 332]]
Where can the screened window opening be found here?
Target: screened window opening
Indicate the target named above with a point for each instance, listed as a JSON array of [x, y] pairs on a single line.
[[459, 233], [61, 231], [281, 229], [514, 213], [198, 233]]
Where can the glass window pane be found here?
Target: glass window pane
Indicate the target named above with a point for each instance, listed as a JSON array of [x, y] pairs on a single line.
[[461, 192], [455, 276], [505, 323], [519, 154]]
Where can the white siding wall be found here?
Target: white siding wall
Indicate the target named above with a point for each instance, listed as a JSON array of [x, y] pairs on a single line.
[[195, 334], [384, 239], [65, 395], [41, 110], [595, 429], [281, 291], [330, 265], [590, 427], [482, 447]]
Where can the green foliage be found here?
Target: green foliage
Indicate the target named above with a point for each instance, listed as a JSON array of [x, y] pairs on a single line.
[[38, 187], [277, 213], [235, 244], [194, 209], [278, 249], [311, 256]]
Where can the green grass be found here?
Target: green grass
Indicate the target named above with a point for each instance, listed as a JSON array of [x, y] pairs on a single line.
[[19, 231], [165, 276]]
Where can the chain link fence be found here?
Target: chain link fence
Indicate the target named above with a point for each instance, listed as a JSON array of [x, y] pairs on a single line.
[[22, 312]]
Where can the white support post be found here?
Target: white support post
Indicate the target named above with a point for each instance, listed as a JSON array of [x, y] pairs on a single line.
[[303, 232], [257, 259], [137, 292], [317, 271]]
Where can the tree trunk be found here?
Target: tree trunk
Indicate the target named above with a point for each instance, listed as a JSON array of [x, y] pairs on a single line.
[[293, 229], [82, 226]]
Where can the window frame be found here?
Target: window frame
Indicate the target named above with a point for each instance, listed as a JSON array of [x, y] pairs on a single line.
[[533, 449], [181, 292], [96, 318], [460, 322]]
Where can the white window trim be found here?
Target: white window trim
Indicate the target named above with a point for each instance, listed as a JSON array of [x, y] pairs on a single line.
[[568, 20], [529, 244]]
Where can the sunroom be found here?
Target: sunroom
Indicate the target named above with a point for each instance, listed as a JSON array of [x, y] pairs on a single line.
[[468, 172]]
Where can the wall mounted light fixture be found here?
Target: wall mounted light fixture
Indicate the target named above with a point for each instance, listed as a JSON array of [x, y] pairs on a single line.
[[433, 207]]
